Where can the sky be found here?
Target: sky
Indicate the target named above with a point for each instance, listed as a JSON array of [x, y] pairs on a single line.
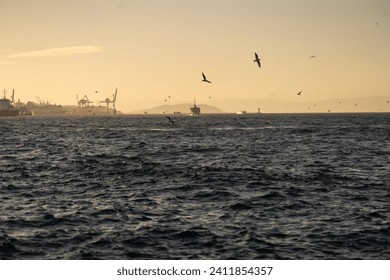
[[151, 49]]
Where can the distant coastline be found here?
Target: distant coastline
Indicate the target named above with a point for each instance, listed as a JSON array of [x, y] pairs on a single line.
[[262, 105]]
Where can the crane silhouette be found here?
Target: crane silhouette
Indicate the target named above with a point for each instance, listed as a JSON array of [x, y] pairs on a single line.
[[110, 103]]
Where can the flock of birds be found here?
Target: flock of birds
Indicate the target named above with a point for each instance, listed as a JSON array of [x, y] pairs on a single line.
[[205, 80], [257, 61]]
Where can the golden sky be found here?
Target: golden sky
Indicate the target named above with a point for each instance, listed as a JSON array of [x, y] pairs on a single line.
[[151, 49]]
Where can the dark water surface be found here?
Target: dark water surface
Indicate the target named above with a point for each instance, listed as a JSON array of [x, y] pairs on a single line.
[[294, 186]]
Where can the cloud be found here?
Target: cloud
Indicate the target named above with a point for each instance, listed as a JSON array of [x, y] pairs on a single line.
[[54, 52]]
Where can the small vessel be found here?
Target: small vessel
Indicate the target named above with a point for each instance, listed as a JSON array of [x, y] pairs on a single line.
[[241, 112], [23, 110], [6, 107], [195, 110]]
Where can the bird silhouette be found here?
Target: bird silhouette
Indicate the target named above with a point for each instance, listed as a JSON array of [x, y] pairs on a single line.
[[205, 79], [257, 60], [170, 120], [313, 56], [299, 93]]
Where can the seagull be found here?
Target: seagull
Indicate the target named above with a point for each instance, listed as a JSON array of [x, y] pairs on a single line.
[[170, 120], [388, 101], [299, 93], [313, 56], [257, 60], [205, 79]]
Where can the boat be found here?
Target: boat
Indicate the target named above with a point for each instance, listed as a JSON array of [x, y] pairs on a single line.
[[6, 107], [241, 112], [195, 110], [45, 109], [23, 110]]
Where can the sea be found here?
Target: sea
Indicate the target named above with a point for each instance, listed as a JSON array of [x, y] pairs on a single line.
[[250, 186]]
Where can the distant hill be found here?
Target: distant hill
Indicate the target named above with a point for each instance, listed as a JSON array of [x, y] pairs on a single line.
[[182, 108], [359, 104], [363, 104]]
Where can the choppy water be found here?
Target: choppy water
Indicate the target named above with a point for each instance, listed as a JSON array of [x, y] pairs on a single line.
[[292, 186]]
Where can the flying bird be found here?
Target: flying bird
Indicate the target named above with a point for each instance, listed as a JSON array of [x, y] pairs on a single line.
[[299, 93], [388, 101], [205, 79], [170, 120], [313, 56], [257, 60]]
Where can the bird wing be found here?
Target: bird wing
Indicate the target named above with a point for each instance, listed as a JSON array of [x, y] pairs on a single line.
[[257, 57], [204, 77], [258, 63]]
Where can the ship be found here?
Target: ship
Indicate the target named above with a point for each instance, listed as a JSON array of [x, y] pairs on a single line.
[[6, 107], [195, 110], [23, 110], [45, 109]]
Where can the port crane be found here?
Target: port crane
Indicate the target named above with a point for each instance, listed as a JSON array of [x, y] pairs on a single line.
[[83, 102], [111, 102]]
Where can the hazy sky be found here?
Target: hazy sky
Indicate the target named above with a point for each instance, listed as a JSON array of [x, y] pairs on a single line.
[[154, 48]]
